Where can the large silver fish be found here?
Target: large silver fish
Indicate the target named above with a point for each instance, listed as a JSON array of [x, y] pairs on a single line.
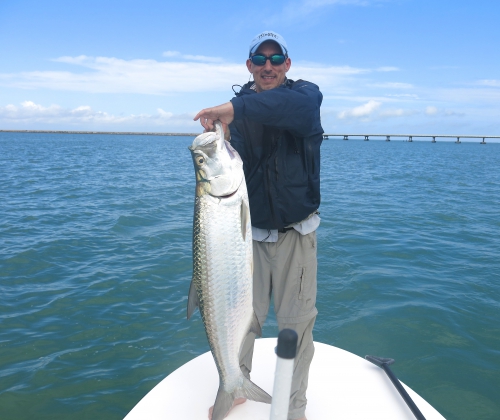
[[223, 264]]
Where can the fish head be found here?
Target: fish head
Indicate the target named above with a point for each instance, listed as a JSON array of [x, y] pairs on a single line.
[[218, 167]]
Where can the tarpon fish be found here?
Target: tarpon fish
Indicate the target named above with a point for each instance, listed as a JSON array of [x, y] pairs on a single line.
[[223, 264]]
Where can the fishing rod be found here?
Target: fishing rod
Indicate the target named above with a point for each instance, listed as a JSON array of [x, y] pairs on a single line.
[[384, 364]]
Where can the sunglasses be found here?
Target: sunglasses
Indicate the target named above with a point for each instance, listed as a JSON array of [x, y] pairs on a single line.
[[275, 59]]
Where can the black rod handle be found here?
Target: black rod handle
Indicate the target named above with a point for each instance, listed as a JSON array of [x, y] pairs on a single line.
[[384, 364], [287, 344], [403, 393]]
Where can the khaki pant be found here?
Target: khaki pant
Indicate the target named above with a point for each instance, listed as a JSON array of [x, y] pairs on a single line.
[[287, 269]]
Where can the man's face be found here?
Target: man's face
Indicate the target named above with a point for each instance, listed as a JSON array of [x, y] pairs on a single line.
[[268, 76]]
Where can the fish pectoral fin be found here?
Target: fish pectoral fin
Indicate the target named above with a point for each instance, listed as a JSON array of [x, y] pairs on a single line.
[[223, 403], [193, 302], [245, 218], [253, 392], [255, 325]]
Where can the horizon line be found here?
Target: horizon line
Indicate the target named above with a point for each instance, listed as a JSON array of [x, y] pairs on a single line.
[[137, 133]]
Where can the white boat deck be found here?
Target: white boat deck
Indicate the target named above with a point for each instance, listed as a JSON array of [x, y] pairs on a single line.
[[342, 386]]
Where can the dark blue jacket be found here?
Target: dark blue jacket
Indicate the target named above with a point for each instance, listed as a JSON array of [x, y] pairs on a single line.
[[278, 135]]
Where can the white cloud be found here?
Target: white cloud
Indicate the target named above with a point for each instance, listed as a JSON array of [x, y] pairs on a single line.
[[351, 95], [190, 57], [489, 82], [381, 98], [203, 58], [392, 85], [371, 111], [151, 77], [477, 95], [434, 111], [388, 68], [326, 77], [431, 110], [360, 111], [396, 113], [29, 112], [114, 75], [308, 67], [171, 54]]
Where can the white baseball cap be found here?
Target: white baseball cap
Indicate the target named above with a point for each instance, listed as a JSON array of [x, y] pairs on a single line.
[[268, 36]]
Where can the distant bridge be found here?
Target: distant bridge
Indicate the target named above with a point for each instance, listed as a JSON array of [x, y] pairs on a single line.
[[411, 136], [366, 137]]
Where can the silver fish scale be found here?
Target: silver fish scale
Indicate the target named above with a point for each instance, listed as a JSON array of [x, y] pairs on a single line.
[[222, 274]]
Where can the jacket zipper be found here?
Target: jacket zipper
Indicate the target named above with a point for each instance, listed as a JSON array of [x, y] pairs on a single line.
[[271, 201]]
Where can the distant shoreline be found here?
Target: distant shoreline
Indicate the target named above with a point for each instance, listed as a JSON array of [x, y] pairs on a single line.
[[129, 133]]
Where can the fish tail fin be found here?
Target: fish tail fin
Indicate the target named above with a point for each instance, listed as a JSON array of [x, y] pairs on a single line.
[[253, 392], [224, 400], [223, 403]]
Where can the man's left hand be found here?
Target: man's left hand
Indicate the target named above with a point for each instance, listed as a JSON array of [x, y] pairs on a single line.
[[224, 113]]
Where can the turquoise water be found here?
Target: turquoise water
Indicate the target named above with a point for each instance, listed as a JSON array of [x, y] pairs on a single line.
[[95, 263]]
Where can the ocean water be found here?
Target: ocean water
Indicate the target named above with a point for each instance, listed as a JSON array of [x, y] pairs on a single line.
[[95, 264]]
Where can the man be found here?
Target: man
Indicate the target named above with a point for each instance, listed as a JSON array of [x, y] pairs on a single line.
[[275, 126]]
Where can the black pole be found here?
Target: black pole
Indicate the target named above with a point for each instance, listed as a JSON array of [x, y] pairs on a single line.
[[384, 364]]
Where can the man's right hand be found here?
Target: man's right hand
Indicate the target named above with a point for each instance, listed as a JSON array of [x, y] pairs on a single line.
[[224, 113]]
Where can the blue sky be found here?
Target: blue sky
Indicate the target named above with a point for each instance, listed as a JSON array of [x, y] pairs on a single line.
[[384, 66]]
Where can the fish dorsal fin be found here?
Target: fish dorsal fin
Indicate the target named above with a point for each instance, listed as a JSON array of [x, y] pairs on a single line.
[[193, 301], [245, 218], [255, 325]]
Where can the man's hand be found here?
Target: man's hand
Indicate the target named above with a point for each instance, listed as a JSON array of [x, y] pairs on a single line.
[[224, 113]]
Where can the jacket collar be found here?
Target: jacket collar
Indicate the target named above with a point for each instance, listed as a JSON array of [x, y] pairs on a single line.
[[250, 87]]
